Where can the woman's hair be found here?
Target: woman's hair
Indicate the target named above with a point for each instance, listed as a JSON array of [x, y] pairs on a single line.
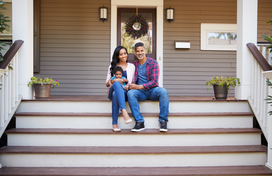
[[116, 69], [115, 58]]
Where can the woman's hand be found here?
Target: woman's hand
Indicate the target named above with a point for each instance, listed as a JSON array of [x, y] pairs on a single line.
[[108, 84]]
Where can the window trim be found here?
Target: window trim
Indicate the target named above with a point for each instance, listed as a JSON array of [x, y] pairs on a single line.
[[208, 27]]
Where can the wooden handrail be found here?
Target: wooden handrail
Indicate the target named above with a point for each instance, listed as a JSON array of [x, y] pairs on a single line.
[[259, 57], [11, 53]]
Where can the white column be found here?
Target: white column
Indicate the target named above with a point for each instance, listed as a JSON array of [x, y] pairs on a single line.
[[113, 28], [247, 33], [22, 28], [160, 42]]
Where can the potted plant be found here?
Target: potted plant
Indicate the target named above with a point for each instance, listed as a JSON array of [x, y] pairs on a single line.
[[42, 86], [221, 85]]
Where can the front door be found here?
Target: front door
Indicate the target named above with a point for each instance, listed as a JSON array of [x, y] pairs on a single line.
[[128, 41]]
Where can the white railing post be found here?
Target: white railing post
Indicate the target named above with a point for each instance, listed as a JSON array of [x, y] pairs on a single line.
[[2, 101], [16, 73], [268, 74], [269, 140]]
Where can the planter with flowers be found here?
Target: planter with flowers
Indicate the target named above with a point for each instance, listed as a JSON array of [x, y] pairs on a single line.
[[42, 86], [221, 86]]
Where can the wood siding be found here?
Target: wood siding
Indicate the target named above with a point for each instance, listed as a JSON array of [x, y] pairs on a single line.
[[185, 71], [75, 46], [264, 15]]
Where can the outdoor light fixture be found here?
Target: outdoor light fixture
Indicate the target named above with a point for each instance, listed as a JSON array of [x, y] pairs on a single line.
[[169, 14], [103, 14]]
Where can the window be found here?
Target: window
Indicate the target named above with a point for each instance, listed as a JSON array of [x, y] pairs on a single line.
[[218, 36]]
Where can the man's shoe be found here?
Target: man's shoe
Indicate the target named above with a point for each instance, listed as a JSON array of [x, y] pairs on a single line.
[[163, 126], [139, 126]]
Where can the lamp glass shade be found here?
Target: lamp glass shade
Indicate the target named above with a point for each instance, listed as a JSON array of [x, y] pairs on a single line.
[[103, 13], [170, 14]]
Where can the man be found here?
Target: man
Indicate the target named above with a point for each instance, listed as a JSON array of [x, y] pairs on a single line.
[[146, 87]]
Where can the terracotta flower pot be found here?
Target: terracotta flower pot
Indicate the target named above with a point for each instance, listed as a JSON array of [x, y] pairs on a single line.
[[220, 92], [42, 91]]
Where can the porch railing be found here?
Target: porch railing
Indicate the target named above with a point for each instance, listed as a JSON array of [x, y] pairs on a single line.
[[259, 92], [9, 97], [262, 46]]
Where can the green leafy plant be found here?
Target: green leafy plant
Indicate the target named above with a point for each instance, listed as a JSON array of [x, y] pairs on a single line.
[[38, 80], [221, 81], [268, 38], [3, 26]]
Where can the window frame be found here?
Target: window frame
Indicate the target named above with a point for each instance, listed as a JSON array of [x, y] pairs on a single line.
[[208, 27]]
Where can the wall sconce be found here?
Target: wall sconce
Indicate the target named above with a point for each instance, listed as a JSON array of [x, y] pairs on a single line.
[[169, 14], [103, 14]]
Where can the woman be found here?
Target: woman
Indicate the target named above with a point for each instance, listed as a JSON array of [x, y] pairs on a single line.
[[116, 92]]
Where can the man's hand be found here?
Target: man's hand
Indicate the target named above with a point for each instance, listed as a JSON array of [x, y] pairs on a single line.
[[135, 86], [124, 80]]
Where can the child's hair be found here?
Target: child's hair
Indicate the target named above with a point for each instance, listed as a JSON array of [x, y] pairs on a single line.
[[117, 69]]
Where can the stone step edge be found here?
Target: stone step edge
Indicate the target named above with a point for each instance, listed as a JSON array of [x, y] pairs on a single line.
[[132, 150], [66, 114], [136, 171], [128, 131]]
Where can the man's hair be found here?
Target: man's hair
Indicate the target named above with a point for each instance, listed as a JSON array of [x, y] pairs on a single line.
[[139, 44], [117, 69]]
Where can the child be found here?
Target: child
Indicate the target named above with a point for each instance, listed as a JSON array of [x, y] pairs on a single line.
[[118, 74]]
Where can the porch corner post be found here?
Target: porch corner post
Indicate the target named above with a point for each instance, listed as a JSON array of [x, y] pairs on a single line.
[[22, 26], [269, 147], [269, 131], [247, 32]]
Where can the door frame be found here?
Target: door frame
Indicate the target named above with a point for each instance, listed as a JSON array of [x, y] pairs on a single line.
[[158, 4]]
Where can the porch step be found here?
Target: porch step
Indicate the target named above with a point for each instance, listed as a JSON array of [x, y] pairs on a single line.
[[148, 137], [137, 171], [103, 120], [40, 156], [92, 106]]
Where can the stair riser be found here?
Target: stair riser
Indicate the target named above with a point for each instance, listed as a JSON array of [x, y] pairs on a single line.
[[145, 107], [132, 160], [133, 139], [150, 122]]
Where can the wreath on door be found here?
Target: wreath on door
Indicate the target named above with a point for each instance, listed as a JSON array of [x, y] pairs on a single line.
[[136, 26]]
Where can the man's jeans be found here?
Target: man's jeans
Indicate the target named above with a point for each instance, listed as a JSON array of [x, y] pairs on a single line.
[[118, 96], [155, 94]]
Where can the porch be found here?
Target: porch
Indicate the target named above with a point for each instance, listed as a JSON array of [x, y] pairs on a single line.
[[52, 127]]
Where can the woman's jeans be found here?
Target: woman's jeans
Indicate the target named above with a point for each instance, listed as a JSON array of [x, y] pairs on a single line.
[[155, 94], [118, 96]]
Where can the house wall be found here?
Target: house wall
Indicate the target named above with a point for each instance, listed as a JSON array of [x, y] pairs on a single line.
[[185, 71], [74, 46], [264, 15]]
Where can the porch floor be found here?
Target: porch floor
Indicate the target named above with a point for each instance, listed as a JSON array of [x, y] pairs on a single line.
[[168, 171], [104, 98]]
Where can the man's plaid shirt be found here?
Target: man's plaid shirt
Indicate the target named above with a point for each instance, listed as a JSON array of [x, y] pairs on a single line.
[[152, 70]]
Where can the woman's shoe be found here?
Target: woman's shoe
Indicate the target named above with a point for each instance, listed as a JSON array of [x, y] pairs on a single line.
[[116, 129], [128, 121], [125, 115]]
